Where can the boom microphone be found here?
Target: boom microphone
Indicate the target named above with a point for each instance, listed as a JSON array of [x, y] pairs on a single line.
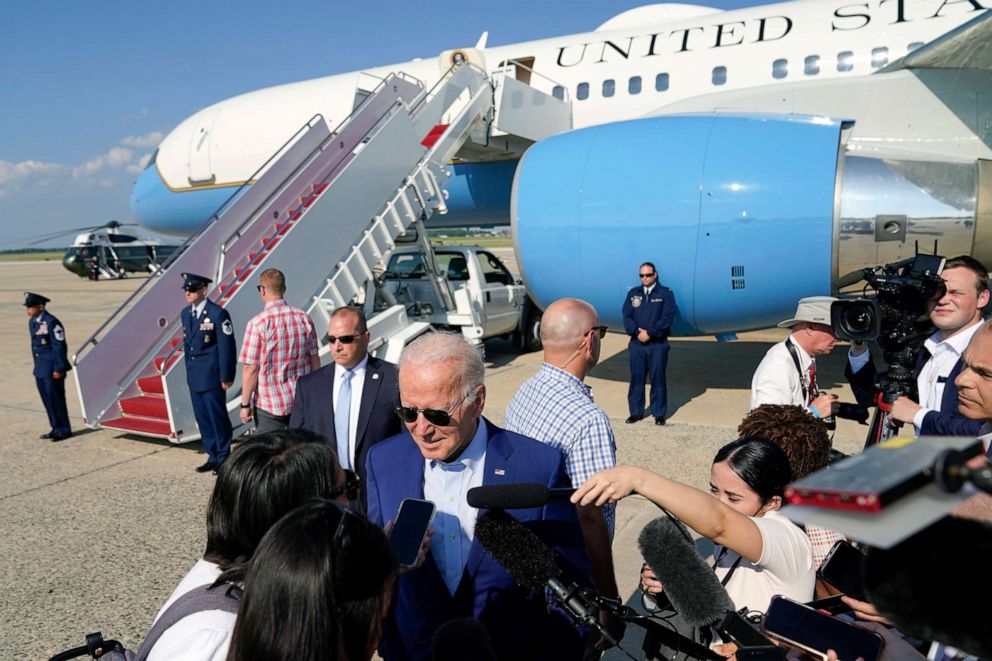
[[934, 584], [689, 582], [515, 496], [532, 565]]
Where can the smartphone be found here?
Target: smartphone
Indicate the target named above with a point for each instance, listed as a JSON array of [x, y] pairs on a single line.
[[412, 522], [811, 631], [741, 631], [830, 605], [842, 569]]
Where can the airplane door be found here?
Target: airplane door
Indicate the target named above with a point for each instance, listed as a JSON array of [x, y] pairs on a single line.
[[497, 295], [200, 171]]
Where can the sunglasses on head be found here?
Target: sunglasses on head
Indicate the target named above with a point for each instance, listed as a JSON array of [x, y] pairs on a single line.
[[439, 417], [351, 485]]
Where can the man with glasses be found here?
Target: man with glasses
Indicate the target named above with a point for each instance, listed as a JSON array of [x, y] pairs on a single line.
[[350, 402], [787, 373], [555, 406], [648, 313], [446, 449], [210, 353], [280, 346]]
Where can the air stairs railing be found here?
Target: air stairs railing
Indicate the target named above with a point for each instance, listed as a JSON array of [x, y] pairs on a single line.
[[421, 193], [109, 369]]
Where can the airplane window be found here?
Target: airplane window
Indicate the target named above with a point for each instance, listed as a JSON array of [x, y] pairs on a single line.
[[634, 85], [661, 82], [845, 61], [582, 92], [719, 75], [913, 46], [609, 87], [812, 65], [780, 68], [558, 92], [879, 57]]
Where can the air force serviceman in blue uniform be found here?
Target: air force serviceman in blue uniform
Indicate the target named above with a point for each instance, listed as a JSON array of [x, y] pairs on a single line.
[[51, 363], [211, 357], [648, 313]]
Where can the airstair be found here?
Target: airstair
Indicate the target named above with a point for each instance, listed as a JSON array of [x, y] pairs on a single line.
[[324, 210]]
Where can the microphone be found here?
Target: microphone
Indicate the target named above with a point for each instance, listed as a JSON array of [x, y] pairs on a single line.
[[532, 565], [934, 584], [515, 496], [690, 584]]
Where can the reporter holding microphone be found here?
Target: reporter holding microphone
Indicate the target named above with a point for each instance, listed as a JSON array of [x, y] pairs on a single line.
[[759, 553]]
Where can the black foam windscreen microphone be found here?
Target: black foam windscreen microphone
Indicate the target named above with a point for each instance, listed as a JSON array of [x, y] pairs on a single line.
[[531, 563], [689, 582], [934, 585], [514, 496]]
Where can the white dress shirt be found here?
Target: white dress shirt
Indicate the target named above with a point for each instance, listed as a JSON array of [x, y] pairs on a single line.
[[446, 485], [198, 309], [357, 385], [777, 381]]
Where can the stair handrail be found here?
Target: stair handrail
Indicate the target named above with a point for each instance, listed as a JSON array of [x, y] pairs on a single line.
[[502, 73], [161, 268], [429, 94]]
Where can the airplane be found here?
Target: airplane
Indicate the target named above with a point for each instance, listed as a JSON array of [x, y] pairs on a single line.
[[754, 155]]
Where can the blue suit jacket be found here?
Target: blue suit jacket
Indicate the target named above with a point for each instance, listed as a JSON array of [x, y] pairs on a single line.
[[946, 421], [519, 624], [208, 347], [654, 313]]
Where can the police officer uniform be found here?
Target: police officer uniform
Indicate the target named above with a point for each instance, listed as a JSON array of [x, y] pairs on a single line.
[[210, 354], [652, 308], [50, 353]]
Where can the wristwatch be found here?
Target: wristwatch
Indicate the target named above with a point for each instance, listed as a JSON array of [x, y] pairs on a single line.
[[246, 406]]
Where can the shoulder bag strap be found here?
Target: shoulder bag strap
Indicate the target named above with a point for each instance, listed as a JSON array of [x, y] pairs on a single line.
[[197, 600]]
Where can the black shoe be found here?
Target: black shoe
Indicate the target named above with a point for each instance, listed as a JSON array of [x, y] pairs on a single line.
[[634, 418], [45, 436], [56, 439], [206, 468], [659, 421]]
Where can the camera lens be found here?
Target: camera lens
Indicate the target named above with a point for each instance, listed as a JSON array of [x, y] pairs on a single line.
[[858, 320], [855, 320]]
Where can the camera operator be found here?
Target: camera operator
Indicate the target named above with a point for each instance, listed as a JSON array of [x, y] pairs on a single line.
[[787, 373], [957, 316]]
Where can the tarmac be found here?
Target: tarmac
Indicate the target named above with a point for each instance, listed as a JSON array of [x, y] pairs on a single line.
[[96, 531]]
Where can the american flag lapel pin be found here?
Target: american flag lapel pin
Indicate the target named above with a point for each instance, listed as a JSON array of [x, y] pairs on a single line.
[[500, 472]]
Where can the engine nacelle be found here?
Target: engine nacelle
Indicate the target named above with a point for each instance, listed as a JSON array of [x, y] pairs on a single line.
[[736, 211]]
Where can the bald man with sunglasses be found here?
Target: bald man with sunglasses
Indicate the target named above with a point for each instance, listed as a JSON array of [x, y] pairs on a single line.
[[351, 401]]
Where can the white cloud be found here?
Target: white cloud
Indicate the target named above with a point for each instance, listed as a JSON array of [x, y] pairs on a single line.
[[143, 141], [14, 176], [137, 168], [95, 169]]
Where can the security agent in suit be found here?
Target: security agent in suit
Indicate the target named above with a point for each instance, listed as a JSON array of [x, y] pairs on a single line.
[[211, 357], [648, 313], [446, 449], [352, 401], [957, 315], [51, 364]]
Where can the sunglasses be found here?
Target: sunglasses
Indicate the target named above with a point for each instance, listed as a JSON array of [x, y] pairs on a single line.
[[601, 329], [438, 417], [259, 288], [343, 339], [351, 485], [647, 275]]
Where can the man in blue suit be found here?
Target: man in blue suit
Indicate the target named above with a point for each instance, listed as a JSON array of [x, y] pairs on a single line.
[[352, 401], [648, 313], [957, 316], [51, 364], [211, 356], [447, 449]]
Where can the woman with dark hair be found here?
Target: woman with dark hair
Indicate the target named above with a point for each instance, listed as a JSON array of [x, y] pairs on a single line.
[[261, 481], [317, 588], [759, 553]]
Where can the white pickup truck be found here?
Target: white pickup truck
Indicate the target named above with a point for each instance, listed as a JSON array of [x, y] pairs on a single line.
[[467, 289]]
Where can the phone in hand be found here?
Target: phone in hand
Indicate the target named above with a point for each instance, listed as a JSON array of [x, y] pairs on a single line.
[[813, 632], [842, 569], [410, 527]]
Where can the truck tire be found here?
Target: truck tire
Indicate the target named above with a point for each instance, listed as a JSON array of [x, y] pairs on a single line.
[[530, 339]]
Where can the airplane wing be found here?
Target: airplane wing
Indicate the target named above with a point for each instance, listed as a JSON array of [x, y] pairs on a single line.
[[968, 46]]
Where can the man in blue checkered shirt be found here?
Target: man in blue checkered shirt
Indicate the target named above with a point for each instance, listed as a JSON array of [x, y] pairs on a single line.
[[555, 406]]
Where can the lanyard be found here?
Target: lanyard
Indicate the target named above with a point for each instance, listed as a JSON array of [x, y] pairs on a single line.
[[807, 390]]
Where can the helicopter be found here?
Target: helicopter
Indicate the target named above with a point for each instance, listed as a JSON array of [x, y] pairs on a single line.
[[104, 252]]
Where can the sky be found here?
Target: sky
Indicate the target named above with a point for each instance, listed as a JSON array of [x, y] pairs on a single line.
[[88, 89]]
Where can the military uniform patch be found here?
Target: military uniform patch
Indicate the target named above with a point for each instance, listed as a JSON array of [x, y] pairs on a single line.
[[59, 333], [227, 327], [635, 301]]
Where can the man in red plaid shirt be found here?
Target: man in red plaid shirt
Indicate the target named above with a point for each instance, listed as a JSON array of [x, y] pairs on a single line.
[[280, 346]]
